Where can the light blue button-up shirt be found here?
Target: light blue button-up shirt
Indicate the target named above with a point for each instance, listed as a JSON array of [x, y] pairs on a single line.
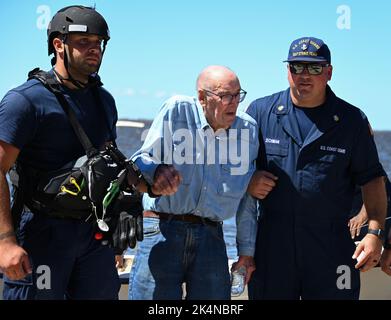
[[216, 167]]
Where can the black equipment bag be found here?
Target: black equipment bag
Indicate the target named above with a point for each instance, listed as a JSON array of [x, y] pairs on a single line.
[[92, 186]]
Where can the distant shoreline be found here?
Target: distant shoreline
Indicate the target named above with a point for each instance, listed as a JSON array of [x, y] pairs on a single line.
[[149, 121]]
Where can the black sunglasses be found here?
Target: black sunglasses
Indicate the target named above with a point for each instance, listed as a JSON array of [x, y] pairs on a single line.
[[313, 68]]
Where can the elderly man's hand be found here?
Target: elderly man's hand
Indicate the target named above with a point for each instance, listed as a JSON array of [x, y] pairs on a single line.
[[166, 180], [248, 263], [262, 182]]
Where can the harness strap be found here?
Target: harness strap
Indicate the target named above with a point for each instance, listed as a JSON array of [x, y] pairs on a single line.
[[51, 83]]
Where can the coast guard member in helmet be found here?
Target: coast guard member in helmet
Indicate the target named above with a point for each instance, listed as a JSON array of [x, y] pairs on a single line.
[[48, 256], [317, 147]]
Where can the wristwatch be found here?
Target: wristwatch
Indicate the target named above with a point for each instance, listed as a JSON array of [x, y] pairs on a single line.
[[377, 232]]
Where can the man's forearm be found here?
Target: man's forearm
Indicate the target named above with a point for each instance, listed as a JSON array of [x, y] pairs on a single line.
[[375, 200], [246, 225], [6, 226]]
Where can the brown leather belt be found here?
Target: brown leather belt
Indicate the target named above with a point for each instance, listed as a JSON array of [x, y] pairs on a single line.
[[181, 217]]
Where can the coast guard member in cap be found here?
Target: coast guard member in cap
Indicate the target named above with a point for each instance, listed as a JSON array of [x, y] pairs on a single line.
[[317, 147]]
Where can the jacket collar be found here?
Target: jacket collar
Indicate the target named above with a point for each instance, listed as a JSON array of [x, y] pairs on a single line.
[[284, 111], [203, 124]]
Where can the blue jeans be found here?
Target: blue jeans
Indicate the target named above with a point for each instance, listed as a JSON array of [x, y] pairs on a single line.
[[76, 266], [175, 252]]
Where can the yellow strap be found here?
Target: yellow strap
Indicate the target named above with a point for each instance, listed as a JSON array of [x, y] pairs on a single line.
[[64, 189], [73, 181]]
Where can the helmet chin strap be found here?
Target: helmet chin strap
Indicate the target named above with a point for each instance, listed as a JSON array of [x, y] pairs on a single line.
[[103, 52], [76, 83]]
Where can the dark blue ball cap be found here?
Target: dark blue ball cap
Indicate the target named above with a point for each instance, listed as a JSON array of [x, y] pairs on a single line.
[[309, 49]]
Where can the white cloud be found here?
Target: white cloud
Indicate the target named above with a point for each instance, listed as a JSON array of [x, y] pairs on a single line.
[[129, 92], [160, 94], [132, 92]]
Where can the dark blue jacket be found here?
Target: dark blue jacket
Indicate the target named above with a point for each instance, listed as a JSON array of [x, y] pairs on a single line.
[[33, 121], [317, 176]]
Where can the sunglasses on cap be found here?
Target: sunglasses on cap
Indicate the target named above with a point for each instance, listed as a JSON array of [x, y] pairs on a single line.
[[312, 68]]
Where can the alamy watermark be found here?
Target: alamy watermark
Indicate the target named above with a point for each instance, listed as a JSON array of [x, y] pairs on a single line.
[[344, 21], [199, 146], [344, 281], [44, 17], [44, 277]]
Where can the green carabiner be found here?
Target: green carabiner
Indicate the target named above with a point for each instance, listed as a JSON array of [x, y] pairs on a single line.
[[112, 192]]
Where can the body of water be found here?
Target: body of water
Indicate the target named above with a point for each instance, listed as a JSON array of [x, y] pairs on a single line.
[[129, 140]]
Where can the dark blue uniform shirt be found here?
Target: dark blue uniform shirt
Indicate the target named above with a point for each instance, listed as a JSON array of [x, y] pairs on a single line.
[[33, 121], [317, 174], [306, 118], [303, 238]]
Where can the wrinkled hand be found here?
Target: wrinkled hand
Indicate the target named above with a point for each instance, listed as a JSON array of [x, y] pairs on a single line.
[[357, 222], [248, 262], [14, 261], [166, 180], [385, 261], [261, 183], [371, 245]]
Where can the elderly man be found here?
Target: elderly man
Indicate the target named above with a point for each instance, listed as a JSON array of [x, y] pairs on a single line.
[[183, 236], [318, 147]]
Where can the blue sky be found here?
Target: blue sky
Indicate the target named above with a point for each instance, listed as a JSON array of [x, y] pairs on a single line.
[[159, 47]]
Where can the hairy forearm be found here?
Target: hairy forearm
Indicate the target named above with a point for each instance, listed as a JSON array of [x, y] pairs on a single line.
[[375, 200], [5, 212]]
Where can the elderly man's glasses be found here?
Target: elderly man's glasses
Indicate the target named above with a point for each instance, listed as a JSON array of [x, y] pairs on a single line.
[[228, 98], [312, 68]]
